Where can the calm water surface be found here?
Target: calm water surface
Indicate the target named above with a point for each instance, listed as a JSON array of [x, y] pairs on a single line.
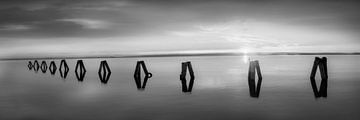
[[220, 90]]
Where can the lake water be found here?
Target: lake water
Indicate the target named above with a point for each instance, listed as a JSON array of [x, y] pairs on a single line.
[[220, 90]]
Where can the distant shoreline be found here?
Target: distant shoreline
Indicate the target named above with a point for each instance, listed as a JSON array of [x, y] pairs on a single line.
[[177, 55]]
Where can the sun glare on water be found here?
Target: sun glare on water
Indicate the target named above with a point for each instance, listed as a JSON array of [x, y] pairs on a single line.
[[246, 58]]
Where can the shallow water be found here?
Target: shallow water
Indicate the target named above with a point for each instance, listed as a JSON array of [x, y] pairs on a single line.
[[220, 90]]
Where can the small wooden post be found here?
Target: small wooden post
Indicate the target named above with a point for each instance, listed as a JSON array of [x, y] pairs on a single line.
[[137, 75], [184, 67], [104, 72]]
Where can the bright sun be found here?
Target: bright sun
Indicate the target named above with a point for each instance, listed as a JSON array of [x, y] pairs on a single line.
[[246, 58]]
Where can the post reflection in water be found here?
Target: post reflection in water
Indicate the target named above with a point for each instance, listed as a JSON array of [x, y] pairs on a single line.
[[253, 88], [137, 75], [64, 69], [43, 67], [184, 67], [80, 70], [104, 72], [30, 65], [52, 68], [322, 64]]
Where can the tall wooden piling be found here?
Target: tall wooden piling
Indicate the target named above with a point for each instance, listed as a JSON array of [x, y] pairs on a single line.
[[253, 88], [322, 64]]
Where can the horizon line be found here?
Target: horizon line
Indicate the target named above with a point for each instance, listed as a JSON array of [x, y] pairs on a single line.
[[183, 55]]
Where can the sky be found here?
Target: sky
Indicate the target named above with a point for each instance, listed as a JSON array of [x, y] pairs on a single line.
[[30, 28]]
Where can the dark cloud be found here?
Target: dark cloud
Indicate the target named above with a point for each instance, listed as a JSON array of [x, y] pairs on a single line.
[[18, 15], [43, 18]]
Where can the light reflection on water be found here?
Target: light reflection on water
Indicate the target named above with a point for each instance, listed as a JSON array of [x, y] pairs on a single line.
[[220, 90]]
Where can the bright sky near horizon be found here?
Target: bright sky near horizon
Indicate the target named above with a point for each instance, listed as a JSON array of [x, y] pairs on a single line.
[[99, 27]]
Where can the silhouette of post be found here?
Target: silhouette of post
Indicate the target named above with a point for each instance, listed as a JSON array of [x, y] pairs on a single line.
[[184, 67], [52, 68], [64, 69], [104, 72], [36, 66], [137, 75], [322, 64], [43, 66], [253, 88], [30, 65], [80, 70]]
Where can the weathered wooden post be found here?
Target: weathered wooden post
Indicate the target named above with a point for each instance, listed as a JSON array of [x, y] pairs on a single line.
[[43, 66], [36, 66], [253, 88], [80, 70], [322, 64], [104, 72], [187, 66], [30, 65], [64, 69], [137, 75], [52, 68]]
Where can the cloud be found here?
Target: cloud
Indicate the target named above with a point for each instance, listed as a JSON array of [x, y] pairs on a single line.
[[16, 15], [189, 24], [99, 5], [112, 18], [15, 27], [235, 32], [89, 23]]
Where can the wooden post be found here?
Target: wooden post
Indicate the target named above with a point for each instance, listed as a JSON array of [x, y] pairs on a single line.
[[253, 88], [322, 64], [80, 70], [52, 68], [184, 67], [137, 75], [64, 69], [104, 72], [43, 66]]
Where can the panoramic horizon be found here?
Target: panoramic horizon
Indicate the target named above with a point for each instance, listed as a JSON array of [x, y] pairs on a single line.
[[178, 54], [179, 59], [41, 28]]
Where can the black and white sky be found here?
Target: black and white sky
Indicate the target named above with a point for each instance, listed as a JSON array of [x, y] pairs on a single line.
[[88, 27]]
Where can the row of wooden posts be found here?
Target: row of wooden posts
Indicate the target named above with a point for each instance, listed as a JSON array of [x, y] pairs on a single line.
[[104, 73]]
